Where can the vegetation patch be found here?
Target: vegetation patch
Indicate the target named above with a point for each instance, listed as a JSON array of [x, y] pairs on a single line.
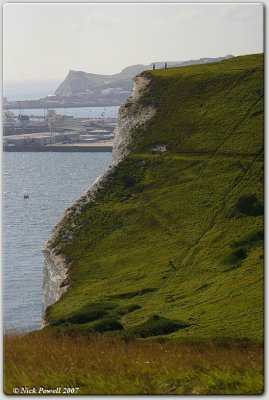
[[157, 325], [127, 309], [128, 181], [94, 317], [203, 287], [237, 255], [251, 239], [241, 248], [107, 324], [129, 295], [88, 313], [249, 205]]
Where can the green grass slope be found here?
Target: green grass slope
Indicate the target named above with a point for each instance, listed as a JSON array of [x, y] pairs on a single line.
[[173, 245]]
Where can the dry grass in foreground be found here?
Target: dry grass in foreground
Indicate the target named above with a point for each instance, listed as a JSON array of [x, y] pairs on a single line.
[[100, 365]]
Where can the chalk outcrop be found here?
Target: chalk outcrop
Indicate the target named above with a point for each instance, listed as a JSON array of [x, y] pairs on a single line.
[[131, 115], [55, 279]]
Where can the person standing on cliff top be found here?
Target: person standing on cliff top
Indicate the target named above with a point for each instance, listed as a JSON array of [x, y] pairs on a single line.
[[165, 65], [153, 66]]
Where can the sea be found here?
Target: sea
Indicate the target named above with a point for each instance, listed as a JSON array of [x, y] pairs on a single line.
[[77, 112], [53, 181]]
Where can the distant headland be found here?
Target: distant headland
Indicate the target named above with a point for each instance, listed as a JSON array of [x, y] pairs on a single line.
[[82, 89]]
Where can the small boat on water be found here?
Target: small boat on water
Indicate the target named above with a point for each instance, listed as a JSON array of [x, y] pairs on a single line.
[[26, 196]]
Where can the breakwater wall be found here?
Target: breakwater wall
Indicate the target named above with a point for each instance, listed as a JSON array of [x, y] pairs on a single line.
[[58, 149]]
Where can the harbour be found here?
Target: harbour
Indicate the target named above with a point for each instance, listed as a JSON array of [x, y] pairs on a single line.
[[56, 132], [105, 147]]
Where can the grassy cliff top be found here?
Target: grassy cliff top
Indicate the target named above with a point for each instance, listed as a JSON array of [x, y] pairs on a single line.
[[173, 245]]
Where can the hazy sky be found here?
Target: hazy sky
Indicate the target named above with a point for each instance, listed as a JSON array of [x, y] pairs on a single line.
[[45, 41]]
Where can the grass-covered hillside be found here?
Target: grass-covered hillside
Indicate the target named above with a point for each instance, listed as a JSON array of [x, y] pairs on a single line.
[[173, 245]]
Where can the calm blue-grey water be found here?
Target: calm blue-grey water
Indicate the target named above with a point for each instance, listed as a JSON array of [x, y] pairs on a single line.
[[77, 112], [52, 181], [29, 89]]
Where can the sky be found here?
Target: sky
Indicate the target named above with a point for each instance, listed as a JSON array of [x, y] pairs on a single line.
[[43, 41]]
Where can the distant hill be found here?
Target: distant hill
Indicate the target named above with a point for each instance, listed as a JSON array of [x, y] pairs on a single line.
[[78, 82]]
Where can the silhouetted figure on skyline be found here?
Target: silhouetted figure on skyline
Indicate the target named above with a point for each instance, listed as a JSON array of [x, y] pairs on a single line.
[[153, 66], [165, 65]]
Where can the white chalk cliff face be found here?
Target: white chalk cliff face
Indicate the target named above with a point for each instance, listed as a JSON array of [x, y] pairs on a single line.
[[54, 280], [131, 115]]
